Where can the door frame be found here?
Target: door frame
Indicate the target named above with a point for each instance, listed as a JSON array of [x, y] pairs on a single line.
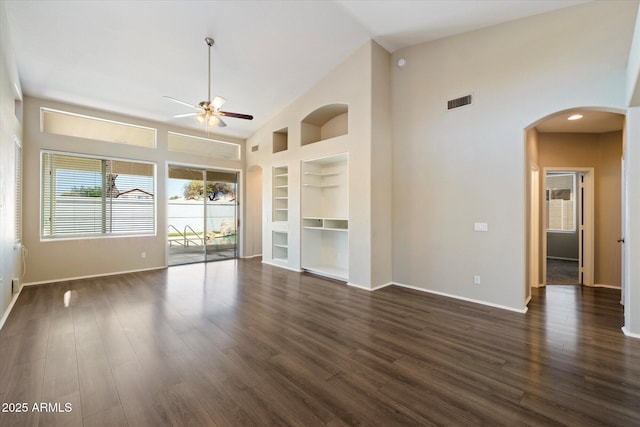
[[534, 229], [587, 250], [240, 206], [623, 224]]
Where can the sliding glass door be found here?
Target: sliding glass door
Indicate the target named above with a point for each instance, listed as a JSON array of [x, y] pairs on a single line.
[[221, 215], [203, 215]]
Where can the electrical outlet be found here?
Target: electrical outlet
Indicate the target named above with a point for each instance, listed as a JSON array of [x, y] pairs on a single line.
[[476, 280], [480, 226], [143, 254]]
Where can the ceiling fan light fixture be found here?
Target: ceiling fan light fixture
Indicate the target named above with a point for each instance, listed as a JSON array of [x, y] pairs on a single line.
[[208, 112]]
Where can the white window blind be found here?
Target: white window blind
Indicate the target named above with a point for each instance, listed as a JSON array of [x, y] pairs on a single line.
[[89, 196], [560, 203], [18, 193]]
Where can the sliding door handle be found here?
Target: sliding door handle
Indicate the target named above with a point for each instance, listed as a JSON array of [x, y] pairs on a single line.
[[621, 240]]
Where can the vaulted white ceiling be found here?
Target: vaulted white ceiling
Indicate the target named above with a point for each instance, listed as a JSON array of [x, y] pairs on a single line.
[[123, 56]]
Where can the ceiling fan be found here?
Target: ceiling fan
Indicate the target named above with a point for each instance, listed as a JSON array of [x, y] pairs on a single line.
[[209, 112]]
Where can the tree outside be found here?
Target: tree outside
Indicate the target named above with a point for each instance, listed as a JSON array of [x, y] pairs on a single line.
[[194, 190]]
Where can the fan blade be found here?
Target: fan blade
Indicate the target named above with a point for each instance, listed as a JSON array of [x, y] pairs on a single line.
[[217, 102], [177, 116], [216, 121], [181, 102], [236, 115]]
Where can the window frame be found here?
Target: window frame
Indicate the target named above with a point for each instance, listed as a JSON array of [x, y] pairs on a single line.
[[93, 120], [110, 235], [574, 192]]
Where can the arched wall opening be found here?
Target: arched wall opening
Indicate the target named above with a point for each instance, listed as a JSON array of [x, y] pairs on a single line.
[[591, 146]]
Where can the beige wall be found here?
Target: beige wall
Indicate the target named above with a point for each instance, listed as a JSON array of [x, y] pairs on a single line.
[[631, 287], [381, 176], [253, 212], [362, 82], [454, 168], [532, 239], [58, 260], [633, 68], [10, 128], [603, 152]]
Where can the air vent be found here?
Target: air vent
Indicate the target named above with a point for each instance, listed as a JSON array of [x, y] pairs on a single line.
[[254, 148], [458, 102]]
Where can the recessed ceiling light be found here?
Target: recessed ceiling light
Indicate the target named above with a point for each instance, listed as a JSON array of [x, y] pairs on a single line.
[[575, 117]]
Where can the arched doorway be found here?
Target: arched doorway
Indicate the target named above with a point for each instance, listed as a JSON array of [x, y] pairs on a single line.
[[570, 144]]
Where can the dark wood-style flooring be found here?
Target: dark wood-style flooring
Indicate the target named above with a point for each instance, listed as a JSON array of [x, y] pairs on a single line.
[[562, 272], [237, 343]]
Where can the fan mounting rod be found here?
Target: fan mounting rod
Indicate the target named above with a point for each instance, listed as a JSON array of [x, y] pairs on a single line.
[[209, 42]]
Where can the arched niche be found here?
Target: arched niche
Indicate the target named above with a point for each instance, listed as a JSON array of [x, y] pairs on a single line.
[[323, 123]]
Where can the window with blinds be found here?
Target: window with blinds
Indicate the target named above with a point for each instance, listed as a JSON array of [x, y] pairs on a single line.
[[91, 196], [560, 202]]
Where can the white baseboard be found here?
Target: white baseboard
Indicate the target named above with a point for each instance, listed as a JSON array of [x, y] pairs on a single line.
[[628, 333], [490, 304], [597, 285], [66, 279], [527, 301], [6, 313], [375, 288], [251, 256], [273, 264]]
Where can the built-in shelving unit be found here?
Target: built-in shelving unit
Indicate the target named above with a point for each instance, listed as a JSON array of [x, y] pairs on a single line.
[[324, 123], [280, 243], [281, 140], [281, 193], [325, 213]]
